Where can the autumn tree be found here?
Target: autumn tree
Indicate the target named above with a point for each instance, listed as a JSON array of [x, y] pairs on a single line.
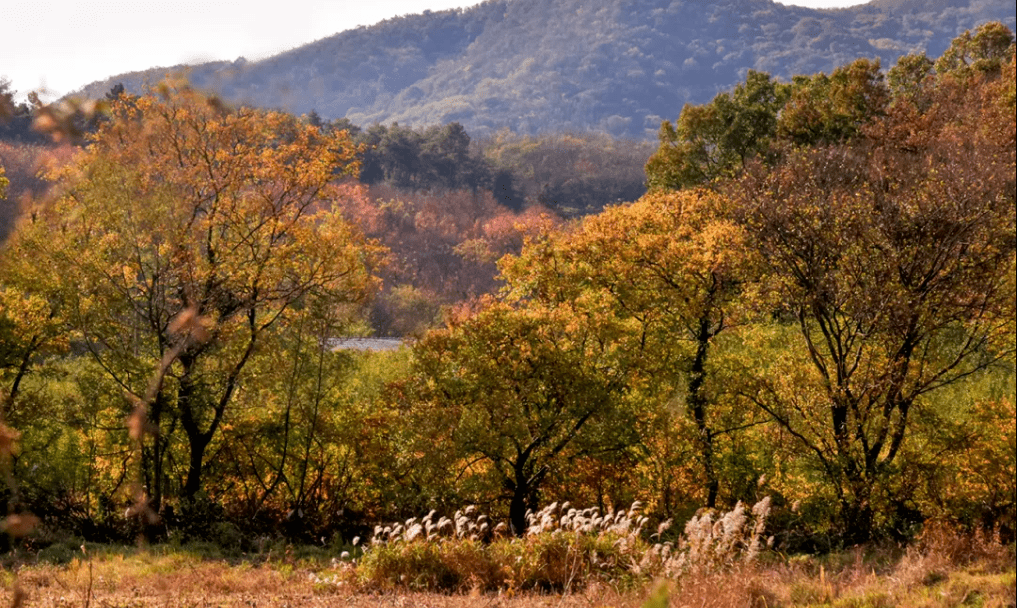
[[985, 51], [715, 140], [832, 109], [29, 324], [670, 269], [895, 263], [28, 327], [292, 444], [906, 77], [527, 390], [760, 119], [183, 233], [975, 480]]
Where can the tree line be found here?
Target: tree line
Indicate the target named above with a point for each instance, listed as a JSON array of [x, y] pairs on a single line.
[[569, 174]]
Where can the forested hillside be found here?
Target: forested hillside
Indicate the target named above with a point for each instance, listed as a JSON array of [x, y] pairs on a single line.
[[616, 66]]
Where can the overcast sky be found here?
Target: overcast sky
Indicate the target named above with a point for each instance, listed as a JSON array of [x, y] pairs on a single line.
[[60, 46]]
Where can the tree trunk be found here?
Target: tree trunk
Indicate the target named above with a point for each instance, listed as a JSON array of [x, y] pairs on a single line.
[[197, 441], [158, 443], [857, 517], [517, 509], [197, 458], [698, 404], [856, 512]]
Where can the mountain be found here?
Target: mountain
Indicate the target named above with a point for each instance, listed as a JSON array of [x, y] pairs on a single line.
[[616, 66]]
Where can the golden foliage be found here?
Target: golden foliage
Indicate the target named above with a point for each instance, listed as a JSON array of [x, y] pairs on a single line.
[[181, 235]]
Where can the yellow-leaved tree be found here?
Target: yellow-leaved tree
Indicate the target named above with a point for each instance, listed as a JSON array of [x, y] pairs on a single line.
[[672, 271], [179, 237]]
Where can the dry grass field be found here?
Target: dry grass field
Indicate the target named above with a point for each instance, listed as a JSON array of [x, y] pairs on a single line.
[[941, 571], [180, 582]]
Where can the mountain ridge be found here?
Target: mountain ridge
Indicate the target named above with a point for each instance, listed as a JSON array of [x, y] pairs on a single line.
[[614, 66]]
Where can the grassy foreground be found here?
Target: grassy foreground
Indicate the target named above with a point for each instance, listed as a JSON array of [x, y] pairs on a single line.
[[942, 570]]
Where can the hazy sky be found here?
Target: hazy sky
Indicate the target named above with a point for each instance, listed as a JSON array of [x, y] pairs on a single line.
[[60, 46]]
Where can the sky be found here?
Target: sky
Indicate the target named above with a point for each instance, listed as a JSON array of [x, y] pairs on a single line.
[[56, 47]]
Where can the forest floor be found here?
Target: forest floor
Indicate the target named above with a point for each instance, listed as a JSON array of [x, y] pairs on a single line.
[[957, 575]]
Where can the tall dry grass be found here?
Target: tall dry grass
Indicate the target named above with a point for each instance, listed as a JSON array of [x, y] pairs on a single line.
[[563, 549]]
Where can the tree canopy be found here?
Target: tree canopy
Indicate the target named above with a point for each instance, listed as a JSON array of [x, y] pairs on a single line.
[[183, 233]]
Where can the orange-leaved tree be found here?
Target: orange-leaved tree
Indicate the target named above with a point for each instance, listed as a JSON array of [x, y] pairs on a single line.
[[182, 233]]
